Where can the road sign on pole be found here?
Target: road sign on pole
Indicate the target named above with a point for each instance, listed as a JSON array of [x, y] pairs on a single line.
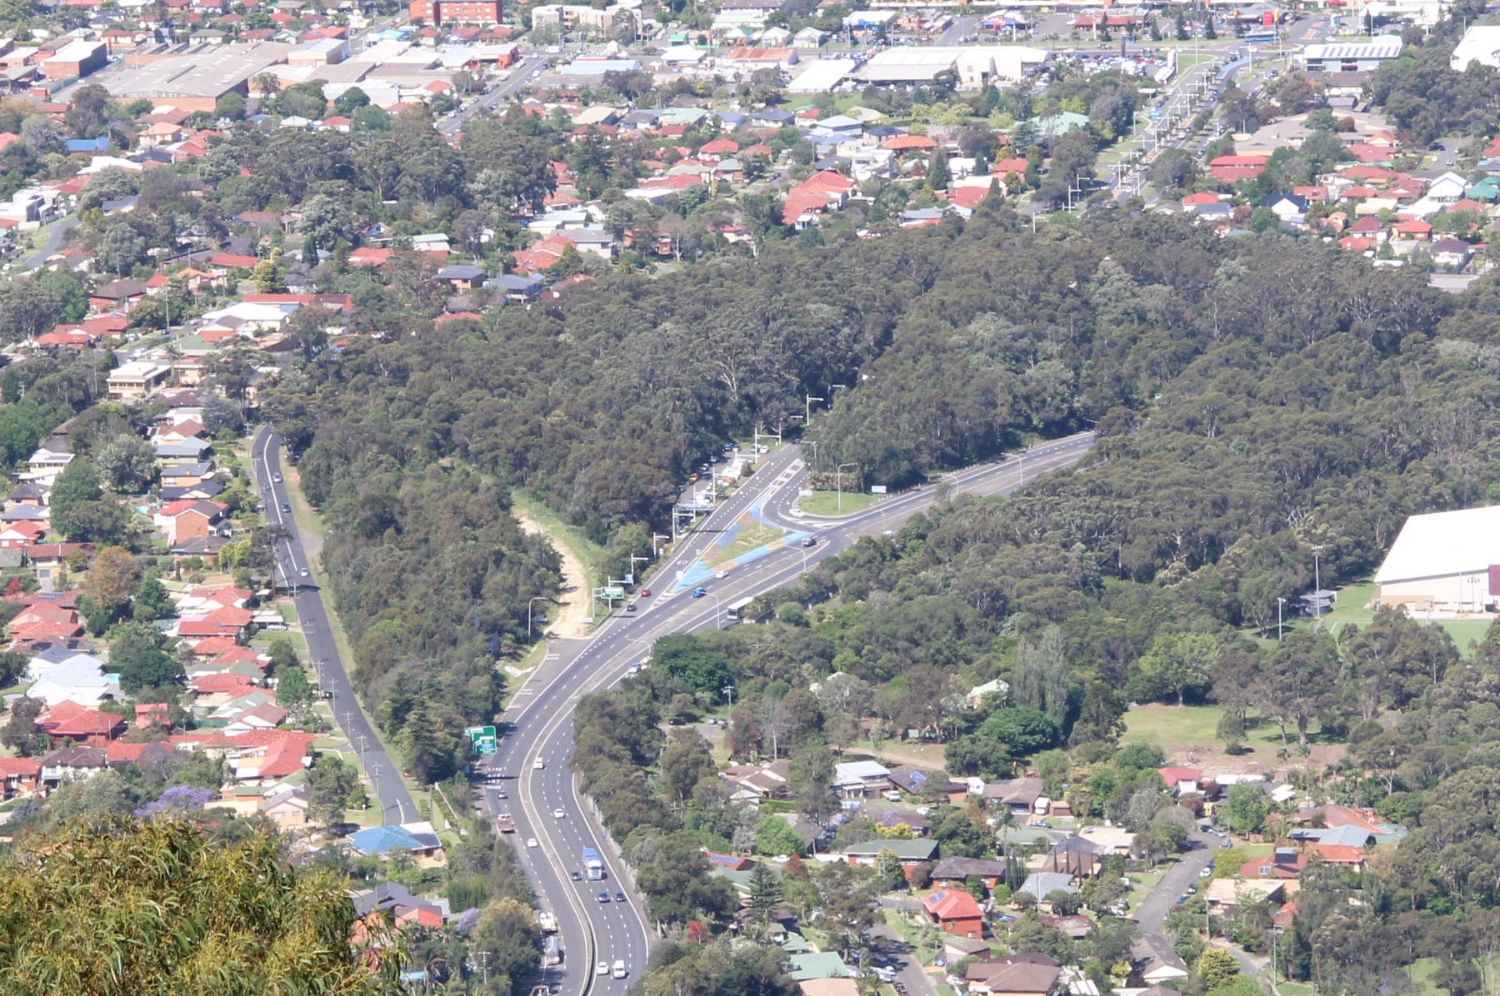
[[612, 594], [482, 739]]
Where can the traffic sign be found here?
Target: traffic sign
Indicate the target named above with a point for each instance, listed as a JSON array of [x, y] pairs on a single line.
[[612, 594]]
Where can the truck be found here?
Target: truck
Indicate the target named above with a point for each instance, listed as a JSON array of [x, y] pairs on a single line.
[[505, 823], [546, 922], [551, 951], [593, 865]]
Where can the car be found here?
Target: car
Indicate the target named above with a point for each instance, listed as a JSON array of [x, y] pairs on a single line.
[[603, 897], [721, 575], [645, 592], [1226, 842], [629, 606], [501, 794], [699, 592], [559, 813], [531, 842], [619, 897], [538, 764], [303, 572], [809, 541], [1192, 890], [286, 507], [692, 478], [575, 876], [275, 478], [1207, 872], [602, 968]]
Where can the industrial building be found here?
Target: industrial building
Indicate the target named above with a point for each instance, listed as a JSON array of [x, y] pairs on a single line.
[[974, 66], [75, 59], [195, 78], [1351, 57], [1444, 563]]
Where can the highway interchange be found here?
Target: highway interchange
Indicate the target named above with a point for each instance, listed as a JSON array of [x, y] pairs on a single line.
[[539, 724]]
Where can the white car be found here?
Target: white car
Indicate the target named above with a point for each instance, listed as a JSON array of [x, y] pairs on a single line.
[[531, 842], [538, 764], [602, 968], [558, 814], [721, 575]]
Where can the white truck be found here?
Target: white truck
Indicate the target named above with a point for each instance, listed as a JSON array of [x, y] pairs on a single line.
[[547, 922]]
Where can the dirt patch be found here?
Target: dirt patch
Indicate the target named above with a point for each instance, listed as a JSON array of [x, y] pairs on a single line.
[[1259, 760], [568, 619]]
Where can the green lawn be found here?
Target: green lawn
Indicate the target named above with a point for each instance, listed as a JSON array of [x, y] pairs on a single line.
[[828, 502], [753, 535], [1192, 726], [1352, 606]]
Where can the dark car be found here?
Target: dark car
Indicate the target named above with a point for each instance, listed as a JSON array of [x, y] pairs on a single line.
[[286, 507], [699, 592], [575, 876], [809, 541], [629, 606], [619, 897], [604, 897]]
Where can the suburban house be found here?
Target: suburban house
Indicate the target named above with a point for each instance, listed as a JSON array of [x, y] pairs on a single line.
[[956, 871], [1226, 895], [956, 912], [188, 519], [1019, 794], [1031, 974], [858, 779], [419, 840], [19, 776], [71, 764], [909, 852], [80, 724]]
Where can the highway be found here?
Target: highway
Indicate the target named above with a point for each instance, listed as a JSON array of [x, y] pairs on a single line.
[[539, 725], [295, 575]]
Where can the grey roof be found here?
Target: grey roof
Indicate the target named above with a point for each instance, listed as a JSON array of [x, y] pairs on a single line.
[[958, 867], [1040, 884], [197, 468], [514, 282], [460, 271], [25, 513], [920, 850]]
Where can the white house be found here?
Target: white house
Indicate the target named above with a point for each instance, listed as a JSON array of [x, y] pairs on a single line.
[[80, 680]]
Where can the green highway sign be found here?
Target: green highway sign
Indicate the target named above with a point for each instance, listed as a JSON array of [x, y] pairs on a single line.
[[612, 594], [482, 739]]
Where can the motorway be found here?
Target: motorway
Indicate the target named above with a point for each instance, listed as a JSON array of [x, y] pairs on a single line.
[[396, 803], [538, 727]]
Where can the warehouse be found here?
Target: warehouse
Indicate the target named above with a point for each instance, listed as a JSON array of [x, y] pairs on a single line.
[[1444, 563], [1351, 57], [195, 79], [75, 59], [972, 67]]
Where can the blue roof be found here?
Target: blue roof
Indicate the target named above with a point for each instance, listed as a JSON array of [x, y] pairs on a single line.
[[88, 144], [379, 840]]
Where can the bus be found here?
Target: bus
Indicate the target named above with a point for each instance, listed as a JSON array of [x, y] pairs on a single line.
[[736, 610]]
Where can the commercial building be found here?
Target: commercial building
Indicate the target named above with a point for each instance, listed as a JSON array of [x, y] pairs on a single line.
[[78, 58], [1351, 57], [479, 12], [322, 52], [1444, 563], [196, 78]]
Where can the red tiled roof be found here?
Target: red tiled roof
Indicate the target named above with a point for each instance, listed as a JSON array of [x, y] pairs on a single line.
[[952, 904], [69, 719], [224, 681], [906, 143]]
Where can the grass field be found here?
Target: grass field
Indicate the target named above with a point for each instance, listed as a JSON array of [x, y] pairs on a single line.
[[827, 502], [1352, 606], [752, 536], [1191, 726]]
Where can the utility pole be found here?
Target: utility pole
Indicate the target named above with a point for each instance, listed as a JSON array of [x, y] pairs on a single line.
[[484, 967], [1279, 603]]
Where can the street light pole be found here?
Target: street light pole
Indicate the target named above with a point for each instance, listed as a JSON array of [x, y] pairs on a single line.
[[807, 410], [838, 482]]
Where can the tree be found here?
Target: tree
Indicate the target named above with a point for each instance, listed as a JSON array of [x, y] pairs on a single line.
[[326, 223], [293, 691], [937, 170], [1175, 664], [1217, 968], [21, 733], [775, 837], [136, 650], [332, 781], [76, 486], [151, 601], [1246, 808], [242, 919], [977, 755], [765, 892], [128, 462], [111, 582], [686, 762], [119, 248], [222, 415], [1021, 731]]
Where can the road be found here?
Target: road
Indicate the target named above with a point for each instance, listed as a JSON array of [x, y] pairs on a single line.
[[1151, 915], [54, 243], [503, 92], [396, 803], [538, 728], [961, 28]]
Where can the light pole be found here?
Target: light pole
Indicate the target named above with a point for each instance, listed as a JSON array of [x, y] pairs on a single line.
[[807, 410], [1317, 583], [838, 482], [534, 599], [716, 609], [1279, 603]]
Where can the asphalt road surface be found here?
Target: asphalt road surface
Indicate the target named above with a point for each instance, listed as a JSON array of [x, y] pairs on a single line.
[[1151, 915], [503, 93], [538, 728], [294, 573]]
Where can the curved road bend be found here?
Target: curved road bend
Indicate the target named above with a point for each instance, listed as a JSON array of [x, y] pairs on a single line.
[[539, 725], [396, 803]]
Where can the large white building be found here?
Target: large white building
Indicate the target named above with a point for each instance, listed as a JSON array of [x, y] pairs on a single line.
[[1480, 44], [1445, 563]]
